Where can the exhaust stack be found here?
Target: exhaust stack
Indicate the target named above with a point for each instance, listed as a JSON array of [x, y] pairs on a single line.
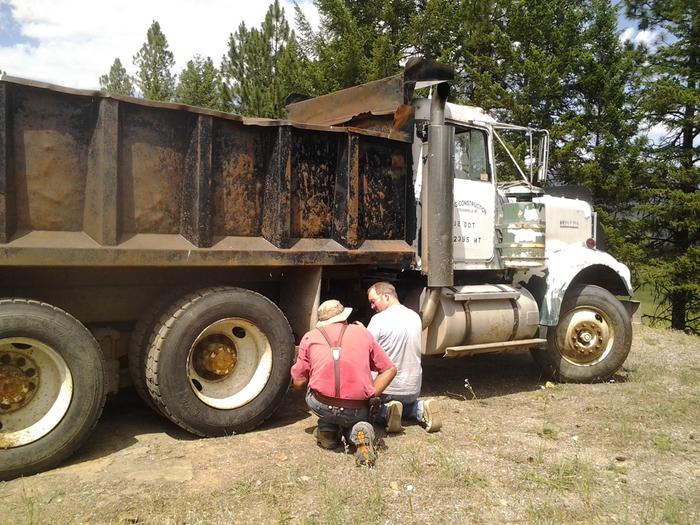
[[437, 195]]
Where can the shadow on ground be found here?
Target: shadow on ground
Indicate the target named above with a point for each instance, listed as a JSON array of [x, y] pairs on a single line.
[[126, 417], [488, 375]]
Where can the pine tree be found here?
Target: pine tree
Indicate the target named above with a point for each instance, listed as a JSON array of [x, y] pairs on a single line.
[[670, 210], [117, 81], [357, 41], [154, 62], [603, 147], [199, 84], [261, 67]]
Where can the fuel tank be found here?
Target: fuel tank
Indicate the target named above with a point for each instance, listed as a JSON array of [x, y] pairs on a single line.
[[478, 314]]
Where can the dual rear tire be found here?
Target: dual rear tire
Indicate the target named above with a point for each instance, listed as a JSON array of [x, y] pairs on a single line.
[[217, 360]]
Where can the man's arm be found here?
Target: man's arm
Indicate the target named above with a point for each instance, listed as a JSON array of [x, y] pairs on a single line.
[[300, 369], [382, 380]]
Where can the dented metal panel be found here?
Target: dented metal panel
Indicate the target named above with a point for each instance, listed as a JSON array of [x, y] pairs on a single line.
[[380, 97], [87, 178], [522, 227], [382, 105]]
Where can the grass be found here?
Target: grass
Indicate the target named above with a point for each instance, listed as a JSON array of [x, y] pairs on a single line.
[[568, 475], [460, 475], [674, 511], [546, 513], [31, 506], [548, 431], [663, 443], [648, 307]]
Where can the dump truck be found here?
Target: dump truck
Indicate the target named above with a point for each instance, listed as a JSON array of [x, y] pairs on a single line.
[[185, 251]]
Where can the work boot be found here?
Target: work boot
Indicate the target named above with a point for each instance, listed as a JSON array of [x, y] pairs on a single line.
[[394, 412], [431, 415], [362, 436], [327, 439]]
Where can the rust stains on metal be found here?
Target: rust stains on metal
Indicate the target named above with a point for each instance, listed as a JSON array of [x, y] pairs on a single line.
[[194, 190], [7, 441], [314, 160], [385, 181], [402, 126], [151, 166], [237, 180], [50, 135]]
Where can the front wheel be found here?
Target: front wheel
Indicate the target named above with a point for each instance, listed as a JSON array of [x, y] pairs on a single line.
[[592, 339], [51, 386]]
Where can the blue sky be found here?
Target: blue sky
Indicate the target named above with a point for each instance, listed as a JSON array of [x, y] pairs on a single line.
[[73, 42], [11, 30]]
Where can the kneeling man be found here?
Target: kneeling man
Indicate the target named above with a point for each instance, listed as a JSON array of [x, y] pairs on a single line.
[[337, 360]]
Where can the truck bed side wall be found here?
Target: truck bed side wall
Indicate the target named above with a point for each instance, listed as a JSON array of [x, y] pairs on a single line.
[[99, 172]]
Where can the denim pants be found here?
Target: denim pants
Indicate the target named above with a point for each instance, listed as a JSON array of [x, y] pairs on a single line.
[[334, 419], [412, 407]]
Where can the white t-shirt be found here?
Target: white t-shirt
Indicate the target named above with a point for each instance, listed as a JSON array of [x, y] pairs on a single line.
[[398, 331]]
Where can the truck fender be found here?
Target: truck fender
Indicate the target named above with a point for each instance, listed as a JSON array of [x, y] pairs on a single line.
[[575, 266]]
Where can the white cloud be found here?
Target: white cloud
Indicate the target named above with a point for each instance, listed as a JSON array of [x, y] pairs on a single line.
[[657, 133], [78, 39], [646, 37], [628, 34]]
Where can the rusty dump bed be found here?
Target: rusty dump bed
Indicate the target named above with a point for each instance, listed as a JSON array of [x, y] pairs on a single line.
[[90, 179]]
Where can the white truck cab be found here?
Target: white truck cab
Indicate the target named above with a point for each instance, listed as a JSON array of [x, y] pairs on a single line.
[[544, 284]]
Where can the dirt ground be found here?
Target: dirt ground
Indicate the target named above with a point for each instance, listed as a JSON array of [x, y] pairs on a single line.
[[514, 449]]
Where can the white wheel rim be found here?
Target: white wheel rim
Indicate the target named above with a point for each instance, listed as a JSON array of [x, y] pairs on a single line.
[[589, 337], [36, 388], [233, 385]]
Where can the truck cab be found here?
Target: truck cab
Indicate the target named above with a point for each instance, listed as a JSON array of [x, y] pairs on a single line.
[[535, 252]]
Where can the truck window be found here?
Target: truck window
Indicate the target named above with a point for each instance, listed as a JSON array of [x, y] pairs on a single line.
[[470, 155]]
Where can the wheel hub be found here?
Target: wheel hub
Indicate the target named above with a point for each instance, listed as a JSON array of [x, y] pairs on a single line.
[[18, 381], [229, 363], [215, 357], [587, 339], [36, 390], [589, 336]]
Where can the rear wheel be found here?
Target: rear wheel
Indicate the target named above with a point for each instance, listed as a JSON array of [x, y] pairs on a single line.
[[592, 339], [51, 386], [219, 362], [140, 341]]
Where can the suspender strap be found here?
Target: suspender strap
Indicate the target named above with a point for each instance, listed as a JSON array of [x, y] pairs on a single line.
[[336, 358]]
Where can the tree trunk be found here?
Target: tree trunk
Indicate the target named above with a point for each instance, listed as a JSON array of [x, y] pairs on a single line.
[[679, 302]]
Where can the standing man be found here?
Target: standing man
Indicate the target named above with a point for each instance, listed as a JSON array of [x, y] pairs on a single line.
[[398, 330], [337, 361]]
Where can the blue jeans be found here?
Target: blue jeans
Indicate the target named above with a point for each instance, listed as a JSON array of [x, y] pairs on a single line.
[[412, 407], [334, 419]]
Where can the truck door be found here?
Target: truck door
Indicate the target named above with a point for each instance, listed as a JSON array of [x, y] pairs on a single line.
[[474, 210]]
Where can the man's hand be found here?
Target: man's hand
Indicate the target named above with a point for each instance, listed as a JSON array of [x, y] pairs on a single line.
[[374, 404], [298, 384]]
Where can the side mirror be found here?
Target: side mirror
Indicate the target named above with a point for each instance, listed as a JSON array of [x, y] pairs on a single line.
[[542, 159]]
